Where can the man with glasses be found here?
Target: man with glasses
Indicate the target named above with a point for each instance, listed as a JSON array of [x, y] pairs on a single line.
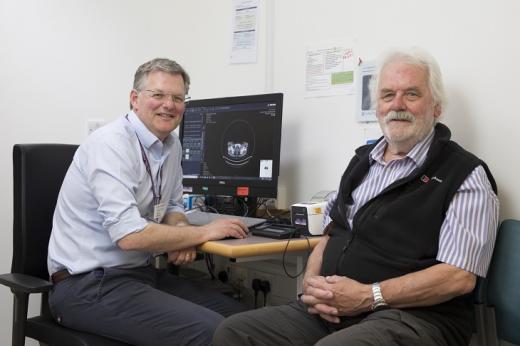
[[119, 207]]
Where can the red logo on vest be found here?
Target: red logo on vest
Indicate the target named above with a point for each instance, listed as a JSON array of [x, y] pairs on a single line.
[[425, 179]]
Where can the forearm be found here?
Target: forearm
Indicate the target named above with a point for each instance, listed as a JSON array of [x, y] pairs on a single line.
[[430, 286], [340, 296], [164, 238], [315, 259], [167, 238]]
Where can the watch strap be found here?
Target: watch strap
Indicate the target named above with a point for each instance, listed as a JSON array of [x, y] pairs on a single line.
[[379, 302]]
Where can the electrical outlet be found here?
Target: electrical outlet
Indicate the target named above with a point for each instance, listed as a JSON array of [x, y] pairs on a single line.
[[94, 124], [262, 276], [266, 299]]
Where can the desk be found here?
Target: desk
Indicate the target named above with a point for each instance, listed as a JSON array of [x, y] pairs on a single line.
[[253, 246]]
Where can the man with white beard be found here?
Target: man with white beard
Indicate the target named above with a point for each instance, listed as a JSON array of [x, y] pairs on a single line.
[[413, 225]]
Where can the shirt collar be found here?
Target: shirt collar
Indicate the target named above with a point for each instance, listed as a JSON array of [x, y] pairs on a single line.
[[146, 137], [417, 154]]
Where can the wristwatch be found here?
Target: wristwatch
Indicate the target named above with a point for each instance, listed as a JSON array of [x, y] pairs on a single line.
[[379, 302]]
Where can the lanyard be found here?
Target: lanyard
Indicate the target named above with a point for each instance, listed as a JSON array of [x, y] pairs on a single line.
[[156, 195]]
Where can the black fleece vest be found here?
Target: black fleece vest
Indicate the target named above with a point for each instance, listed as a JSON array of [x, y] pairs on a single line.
[[397, 232]]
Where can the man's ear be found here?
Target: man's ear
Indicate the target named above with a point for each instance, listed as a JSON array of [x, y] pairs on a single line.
[[133, 99], [437, 110]]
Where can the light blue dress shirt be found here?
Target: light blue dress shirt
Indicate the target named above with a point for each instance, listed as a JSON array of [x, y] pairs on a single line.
[[107, 194]]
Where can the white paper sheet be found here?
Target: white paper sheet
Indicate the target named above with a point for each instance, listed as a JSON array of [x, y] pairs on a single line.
[[244, 32], [329, 70]]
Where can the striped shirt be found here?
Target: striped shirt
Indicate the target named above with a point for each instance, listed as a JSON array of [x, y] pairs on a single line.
[[468, 233]]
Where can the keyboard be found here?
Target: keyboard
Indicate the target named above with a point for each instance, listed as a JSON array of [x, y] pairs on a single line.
[[199, 218]]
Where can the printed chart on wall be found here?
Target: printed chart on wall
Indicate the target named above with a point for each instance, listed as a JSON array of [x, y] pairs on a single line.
[[329, 70], [244, 32]]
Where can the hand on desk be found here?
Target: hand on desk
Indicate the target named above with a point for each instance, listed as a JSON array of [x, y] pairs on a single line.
[[225, 228]]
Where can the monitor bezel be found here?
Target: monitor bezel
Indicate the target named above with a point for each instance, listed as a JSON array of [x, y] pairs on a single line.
[[239, 187]]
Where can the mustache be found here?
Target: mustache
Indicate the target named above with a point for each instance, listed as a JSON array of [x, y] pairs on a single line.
[[393, 115]]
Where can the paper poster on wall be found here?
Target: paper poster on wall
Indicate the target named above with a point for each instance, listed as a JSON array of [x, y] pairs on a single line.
[[366, 111], [329, 70], [244, 32]]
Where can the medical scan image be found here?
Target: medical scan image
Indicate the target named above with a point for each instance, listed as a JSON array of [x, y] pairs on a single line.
[[238, 141], [237, 150]]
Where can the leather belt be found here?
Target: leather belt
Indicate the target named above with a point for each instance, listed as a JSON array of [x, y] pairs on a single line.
[[59, 276]]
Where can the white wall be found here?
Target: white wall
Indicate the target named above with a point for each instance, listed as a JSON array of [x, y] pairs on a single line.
[[476, 44], [66, 61]]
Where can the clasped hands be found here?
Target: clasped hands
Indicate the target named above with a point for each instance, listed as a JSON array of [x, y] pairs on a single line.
[[335, 296]]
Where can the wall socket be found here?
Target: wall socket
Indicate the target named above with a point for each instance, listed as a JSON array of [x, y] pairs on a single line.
[[94, 124], [283, 288]]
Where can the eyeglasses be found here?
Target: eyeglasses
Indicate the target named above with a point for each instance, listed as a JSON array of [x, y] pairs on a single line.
[[161, 96]]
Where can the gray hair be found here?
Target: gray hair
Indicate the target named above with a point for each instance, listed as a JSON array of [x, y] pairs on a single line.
[[160, 64], [415, 57]]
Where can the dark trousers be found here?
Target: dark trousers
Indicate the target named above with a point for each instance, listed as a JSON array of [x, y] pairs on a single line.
[[140, 306], [292, 325]]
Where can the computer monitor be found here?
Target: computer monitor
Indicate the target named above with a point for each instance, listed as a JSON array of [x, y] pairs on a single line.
[[231, 146]]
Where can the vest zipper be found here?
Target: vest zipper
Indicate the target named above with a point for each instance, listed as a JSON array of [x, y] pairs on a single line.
[[343, 250]]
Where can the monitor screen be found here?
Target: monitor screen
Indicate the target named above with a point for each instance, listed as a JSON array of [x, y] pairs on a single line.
[[231, 145]]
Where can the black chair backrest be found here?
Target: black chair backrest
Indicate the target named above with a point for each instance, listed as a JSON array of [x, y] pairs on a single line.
[[38, 172]]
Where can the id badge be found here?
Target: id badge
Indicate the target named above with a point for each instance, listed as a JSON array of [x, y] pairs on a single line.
[[158, 211]]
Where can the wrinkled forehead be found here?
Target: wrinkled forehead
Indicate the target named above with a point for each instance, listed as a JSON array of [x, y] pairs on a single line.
[[156, 76], [164, 81], [402, 75]]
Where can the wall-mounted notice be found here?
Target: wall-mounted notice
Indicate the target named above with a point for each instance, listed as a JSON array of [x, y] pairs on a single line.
[[366, 111], [244, 31], [329, 70]]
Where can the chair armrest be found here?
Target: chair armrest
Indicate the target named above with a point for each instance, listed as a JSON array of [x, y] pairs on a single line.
[[22, 285], [25, 283]]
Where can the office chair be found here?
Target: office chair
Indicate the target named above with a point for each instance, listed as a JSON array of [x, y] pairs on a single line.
[[503, 286], [38, 171]]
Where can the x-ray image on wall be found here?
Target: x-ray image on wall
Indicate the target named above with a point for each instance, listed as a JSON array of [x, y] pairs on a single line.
[[366, 111]]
